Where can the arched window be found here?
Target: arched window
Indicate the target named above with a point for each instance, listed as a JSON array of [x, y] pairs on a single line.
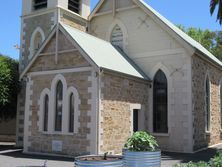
[[71, 112], [207, 104], [59, 106], [117, 37], [46, 113], [160, 103], [37, 41]]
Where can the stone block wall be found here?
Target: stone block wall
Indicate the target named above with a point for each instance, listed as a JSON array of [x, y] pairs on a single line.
[[29, 24], [20, 115], [200, 68], [72, 144], [118, 94]]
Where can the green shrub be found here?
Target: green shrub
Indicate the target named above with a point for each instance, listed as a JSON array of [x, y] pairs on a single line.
[[9, 86], [193, 164], [141, 141], [216, 161]]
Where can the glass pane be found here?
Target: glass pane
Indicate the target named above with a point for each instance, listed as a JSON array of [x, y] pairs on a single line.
[[71, 113], [117, 37], [160, 103], [46, 111], [59, 100]]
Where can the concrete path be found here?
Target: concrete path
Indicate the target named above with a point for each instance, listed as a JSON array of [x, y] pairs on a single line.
[[13, 157]]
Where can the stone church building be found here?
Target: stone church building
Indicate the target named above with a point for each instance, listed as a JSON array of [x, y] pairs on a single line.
[[89, 80]]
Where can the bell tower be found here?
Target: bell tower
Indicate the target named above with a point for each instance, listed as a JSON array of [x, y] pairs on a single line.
[[40, 16], [38, 19]]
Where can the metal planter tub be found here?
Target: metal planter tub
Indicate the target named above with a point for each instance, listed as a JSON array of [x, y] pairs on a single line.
[[97, 161], [141, 159]]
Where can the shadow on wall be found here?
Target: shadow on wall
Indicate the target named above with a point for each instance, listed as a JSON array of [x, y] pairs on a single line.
[[7, 130]]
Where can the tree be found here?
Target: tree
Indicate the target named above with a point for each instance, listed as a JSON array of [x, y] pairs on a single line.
[[213, 5], [211, 40], [9, 86]]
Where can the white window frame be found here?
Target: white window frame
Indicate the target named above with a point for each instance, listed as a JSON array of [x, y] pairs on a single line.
[[208, 131], [32, 41], [52, 106]]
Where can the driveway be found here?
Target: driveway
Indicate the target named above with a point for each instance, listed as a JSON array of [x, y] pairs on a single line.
[[13, 157]]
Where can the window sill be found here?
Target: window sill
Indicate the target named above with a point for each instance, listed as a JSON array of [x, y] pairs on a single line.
[[161, 134], [208, 133], [57, 133]]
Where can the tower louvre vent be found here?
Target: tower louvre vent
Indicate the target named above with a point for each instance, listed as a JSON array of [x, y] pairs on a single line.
[[74, 6], [39, 4]]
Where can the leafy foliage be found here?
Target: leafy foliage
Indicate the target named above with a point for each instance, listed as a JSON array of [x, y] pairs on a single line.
[[216, 161], [141, 141], [211, 40], [192, 164], [213, 5], [9, 86]]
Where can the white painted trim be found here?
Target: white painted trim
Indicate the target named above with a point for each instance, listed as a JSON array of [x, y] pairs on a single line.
[[207, 75], [190, 134], [31, 49], [124, 31], [134, 107], [164, 53], [65, 113], [77, 102], [28, 114], [38, 13], [57, 44], [59, 52], [93, 124], [54, 83], [80, 69], [41, 114], [99, 115]]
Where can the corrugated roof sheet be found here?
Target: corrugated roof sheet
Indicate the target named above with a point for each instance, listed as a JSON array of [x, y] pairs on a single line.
[[103, 53], [183, 35]]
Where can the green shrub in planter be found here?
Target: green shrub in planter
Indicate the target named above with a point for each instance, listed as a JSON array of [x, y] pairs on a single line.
[[142, 150], [193, 164], [141, 141], [216, 161]]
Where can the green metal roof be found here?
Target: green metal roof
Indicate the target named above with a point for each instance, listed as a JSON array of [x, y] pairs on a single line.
[[103, 53]]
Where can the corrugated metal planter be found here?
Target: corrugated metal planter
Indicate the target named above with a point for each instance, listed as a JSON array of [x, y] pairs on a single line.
[[95, 161], [142, 159]]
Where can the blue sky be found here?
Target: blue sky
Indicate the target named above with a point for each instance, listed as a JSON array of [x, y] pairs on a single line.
[[188, 13]]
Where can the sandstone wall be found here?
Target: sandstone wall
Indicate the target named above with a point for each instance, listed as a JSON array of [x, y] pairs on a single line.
[[72, 144], [118, 94], [200, 68], [20, 115]]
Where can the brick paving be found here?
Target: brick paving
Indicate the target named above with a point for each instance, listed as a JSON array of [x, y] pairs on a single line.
[[13, 157]]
